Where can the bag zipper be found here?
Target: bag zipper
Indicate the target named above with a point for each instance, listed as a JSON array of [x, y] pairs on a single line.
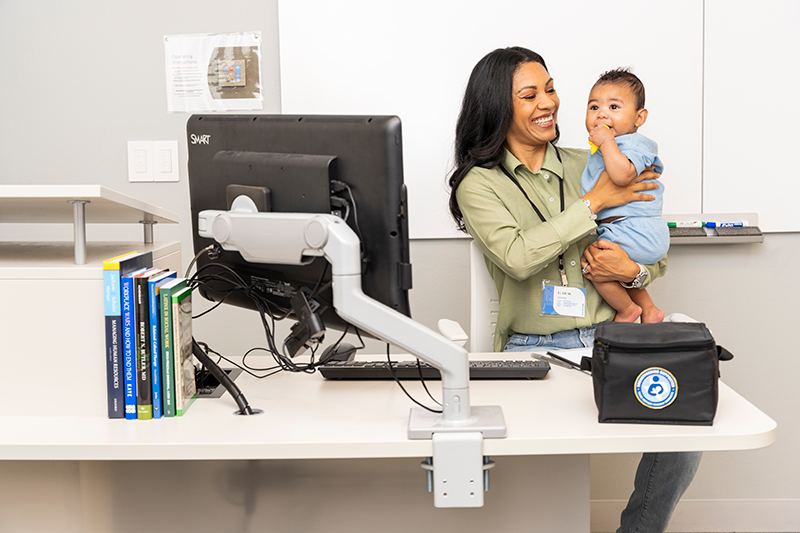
[[677, 344], [646, 348]]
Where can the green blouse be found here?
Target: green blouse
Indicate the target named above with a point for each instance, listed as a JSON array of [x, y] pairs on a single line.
[[521, 251]]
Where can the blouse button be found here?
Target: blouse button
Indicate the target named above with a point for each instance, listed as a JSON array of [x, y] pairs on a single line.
[[547, 176], [552, 199], [572, 263]]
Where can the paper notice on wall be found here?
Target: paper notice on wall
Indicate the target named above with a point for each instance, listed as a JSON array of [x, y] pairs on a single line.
[[213, 72]]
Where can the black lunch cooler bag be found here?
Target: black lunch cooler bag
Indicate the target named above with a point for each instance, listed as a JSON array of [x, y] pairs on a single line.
[[665, 373]]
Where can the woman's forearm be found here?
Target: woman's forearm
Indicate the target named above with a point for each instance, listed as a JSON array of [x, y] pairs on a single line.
[[606, 193]]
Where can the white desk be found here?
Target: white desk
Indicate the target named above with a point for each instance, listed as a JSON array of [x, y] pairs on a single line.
[[306, 417]]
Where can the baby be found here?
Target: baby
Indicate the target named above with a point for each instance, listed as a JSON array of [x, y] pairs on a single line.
[[613, 116]]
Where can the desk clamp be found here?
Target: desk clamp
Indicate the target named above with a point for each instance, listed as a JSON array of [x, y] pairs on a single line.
[[453, 481], [458, 471]]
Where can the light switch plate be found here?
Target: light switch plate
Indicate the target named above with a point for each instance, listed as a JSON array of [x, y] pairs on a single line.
[[165, 161], [140, 161]]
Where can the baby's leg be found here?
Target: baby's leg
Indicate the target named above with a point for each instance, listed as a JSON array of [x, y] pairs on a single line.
[[617, 297], [650, 313]]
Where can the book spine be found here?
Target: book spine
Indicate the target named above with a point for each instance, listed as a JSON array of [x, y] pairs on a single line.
[[185, 389], [167, 361], [113, 322], [155, 349], [144, 380], [129, 347], [176, 358]]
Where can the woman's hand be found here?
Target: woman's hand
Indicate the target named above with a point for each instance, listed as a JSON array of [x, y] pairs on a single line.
[[607, 194], [607, 261]]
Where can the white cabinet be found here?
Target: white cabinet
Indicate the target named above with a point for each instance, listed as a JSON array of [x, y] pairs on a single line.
[[52, 336]]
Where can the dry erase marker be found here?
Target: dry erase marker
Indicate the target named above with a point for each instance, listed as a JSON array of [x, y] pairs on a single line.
[[685, 224], [739, 224]]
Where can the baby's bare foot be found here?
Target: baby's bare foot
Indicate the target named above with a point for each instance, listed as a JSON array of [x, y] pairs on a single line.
[[652, 316], [630, 314]]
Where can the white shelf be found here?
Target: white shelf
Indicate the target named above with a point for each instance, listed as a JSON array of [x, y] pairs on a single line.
[[48, 204], [79, 204]]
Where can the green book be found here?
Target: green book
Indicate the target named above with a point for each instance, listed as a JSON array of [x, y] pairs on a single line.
[[167, 348], [185, 389]]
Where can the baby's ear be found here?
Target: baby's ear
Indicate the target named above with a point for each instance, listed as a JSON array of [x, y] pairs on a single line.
[[641, 117]]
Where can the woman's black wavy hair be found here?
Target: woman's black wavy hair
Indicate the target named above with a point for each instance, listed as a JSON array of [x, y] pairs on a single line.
[[486, 114]]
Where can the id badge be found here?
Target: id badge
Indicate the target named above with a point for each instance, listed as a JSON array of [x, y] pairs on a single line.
[[563, 301]]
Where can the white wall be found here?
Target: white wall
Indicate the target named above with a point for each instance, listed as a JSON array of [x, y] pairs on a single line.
[[750, 56], [84, 78], [414, 58]]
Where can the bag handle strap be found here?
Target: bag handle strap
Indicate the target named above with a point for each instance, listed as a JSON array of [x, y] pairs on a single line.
[[723, 354]]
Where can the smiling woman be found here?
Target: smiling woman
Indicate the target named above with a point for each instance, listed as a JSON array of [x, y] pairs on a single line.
[[519, 196]]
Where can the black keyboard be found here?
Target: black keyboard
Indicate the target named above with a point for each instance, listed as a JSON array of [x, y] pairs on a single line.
[[374, 370]]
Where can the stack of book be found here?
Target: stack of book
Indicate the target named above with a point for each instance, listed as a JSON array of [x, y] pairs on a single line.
[[148, 316]]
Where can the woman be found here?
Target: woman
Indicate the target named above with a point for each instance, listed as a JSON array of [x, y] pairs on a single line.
[[519, 197]]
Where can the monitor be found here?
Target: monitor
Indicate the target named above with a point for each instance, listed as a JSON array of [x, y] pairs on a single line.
[[351, 166]]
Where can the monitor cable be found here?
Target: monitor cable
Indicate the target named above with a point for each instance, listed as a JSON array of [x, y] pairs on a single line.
[[228, 281], [224, 380], [422, 380]]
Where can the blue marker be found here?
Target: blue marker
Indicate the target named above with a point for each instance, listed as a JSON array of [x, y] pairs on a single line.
[[726, 224]]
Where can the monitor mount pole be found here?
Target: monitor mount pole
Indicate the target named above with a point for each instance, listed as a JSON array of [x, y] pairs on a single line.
[[296, 238]]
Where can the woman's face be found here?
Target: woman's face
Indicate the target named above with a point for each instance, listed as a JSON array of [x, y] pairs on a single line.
[[535, 106]]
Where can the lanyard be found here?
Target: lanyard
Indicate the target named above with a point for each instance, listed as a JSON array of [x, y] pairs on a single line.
[[541, 216]]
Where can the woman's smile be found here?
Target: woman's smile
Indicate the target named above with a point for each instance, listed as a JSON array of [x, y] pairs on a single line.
[[546, 121]]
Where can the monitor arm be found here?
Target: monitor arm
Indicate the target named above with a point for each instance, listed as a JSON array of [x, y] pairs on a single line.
[[296, 238]]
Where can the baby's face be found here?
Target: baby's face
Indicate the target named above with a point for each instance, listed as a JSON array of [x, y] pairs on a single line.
[[614, 105]]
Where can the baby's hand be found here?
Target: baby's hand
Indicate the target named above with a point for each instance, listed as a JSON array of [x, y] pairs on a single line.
[[599, 134]]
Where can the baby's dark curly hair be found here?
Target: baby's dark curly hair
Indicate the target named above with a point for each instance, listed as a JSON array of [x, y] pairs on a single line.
[[624, 76]]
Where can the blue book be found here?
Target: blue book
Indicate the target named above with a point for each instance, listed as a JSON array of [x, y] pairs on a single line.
[[153, 285], [129, 343], [144, 370], [113, 269]]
